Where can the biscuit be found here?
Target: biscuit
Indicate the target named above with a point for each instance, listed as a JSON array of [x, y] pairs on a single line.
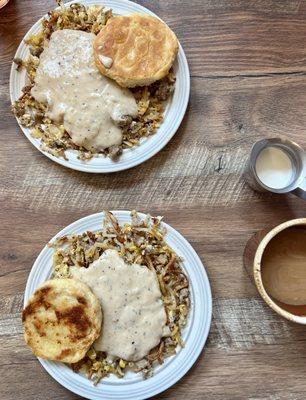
[[135, 50], [61, 320]]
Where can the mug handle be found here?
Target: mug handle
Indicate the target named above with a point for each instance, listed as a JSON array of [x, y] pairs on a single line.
[[300, 193]]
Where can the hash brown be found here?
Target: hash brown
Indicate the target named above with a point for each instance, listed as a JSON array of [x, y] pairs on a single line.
[[135, 50], [61, 320]]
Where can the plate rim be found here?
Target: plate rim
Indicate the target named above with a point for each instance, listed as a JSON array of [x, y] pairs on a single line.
[[51, 367], [114, 166]]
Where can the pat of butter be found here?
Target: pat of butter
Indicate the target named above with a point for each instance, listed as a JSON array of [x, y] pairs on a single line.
[[106, 61]]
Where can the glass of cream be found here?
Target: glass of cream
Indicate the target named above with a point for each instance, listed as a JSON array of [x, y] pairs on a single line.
[[277, 165]]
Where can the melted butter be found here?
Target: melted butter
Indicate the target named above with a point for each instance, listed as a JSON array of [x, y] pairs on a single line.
[[134, 318], [284, 267], [88, 104]]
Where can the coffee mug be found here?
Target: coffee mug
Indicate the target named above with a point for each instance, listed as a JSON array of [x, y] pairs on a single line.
[[294, 313]]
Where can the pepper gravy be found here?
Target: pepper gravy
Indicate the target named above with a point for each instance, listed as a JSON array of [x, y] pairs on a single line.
[[134, 317], [89, 105]]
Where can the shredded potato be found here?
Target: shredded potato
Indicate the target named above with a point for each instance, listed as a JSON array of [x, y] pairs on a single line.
[[143, 242], [32, 114]]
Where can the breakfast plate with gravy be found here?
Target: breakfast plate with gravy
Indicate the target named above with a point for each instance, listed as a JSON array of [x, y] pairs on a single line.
[[117, 305], [99, 86]]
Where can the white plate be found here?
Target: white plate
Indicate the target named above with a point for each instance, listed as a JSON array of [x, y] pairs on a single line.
[[174, 112], [132, 386]]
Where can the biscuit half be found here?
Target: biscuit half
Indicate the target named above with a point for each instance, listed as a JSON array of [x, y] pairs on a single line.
[[61, 320], [135, 50]]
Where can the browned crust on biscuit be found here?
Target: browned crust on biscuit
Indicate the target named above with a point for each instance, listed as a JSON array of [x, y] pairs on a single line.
[[76, 319], [64, 353], [40, 301]]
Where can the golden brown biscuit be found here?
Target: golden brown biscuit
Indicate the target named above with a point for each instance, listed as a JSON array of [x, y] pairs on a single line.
[[135, 50], [61, 320]]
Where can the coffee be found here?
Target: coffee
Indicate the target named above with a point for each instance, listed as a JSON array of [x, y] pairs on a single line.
[[284, 267]]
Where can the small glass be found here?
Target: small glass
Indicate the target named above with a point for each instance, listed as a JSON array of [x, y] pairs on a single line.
[[297, 157]]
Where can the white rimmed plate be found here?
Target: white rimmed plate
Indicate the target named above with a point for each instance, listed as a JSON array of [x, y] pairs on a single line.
[[148, 147], [132, 386]]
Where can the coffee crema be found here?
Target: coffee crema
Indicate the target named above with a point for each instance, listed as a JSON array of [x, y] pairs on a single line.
[[284, 266]]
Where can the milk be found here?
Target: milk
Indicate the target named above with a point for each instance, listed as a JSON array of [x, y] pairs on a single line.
[[274, 168]]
